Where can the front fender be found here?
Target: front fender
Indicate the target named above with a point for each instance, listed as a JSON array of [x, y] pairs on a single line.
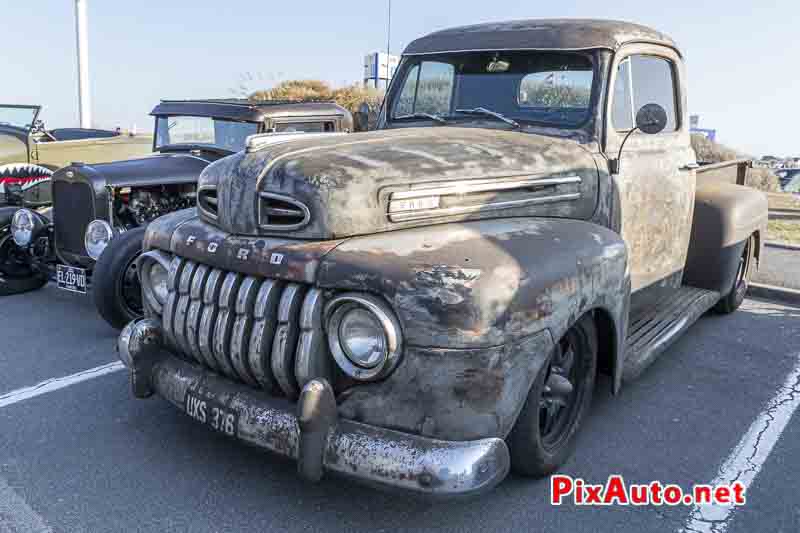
[[474, 287]]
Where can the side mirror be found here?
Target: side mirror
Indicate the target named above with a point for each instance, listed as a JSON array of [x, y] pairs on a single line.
[[650, 119], [361, 118]]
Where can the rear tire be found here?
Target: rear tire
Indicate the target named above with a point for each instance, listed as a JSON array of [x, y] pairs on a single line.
[[544, 436], [115, 282], [731, 301], [16, 274]]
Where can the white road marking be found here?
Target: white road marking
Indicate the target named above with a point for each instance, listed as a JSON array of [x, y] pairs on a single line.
[[745, 461], [54, 384], [16, 516]]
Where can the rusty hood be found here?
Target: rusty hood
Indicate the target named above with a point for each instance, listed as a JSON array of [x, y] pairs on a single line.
[[344, 185]]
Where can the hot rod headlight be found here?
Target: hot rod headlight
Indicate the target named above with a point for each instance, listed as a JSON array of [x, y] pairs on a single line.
[[23, 223], [98, 234], [363, 335]]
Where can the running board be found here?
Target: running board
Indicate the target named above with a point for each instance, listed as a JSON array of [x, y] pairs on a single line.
[[650, 334]]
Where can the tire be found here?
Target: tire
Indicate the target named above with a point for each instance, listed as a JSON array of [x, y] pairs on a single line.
[[731, 301], [16, 274], [115, 282], [539, 443]]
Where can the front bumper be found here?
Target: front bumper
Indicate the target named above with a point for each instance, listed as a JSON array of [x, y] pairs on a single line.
[[311, 431]]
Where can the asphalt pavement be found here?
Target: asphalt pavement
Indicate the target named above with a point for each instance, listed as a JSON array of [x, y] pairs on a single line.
[[779, 266], [90, 457]]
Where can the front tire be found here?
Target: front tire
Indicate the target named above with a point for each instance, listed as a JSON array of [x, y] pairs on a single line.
[[731, 301], [115, 281], [544, 435], [16, 274]]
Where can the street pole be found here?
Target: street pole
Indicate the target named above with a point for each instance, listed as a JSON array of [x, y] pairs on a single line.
[[388, 44], [82, 39]]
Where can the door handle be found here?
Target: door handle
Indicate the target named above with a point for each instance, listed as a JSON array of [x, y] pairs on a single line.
[[689, 166]]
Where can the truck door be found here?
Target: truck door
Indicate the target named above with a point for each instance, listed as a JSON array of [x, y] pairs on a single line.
[[656, 183]]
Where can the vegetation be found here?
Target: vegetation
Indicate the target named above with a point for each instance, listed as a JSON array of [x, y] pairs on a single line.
[[787, 231], [350, 97], [711, 152]]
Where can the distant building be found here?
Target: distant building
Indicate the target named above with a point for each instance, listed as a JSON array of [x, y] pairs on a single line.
[[379, 69], [694, 127]]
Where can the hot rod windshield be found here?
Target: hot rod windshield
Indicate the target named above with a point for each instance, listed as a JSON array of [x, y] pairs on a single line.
[[202, 132], [549, 88], [18, 116]]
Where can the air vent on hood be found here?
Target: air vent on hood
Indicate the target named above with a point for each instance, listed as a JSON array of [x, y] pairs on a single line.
[[207, 201], [278, 212]]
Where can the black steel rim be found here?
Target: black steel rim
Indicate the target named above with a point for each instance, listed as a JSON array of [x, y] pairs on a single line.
[[13, 262], [563, 391], [129, 290], [742, 280]]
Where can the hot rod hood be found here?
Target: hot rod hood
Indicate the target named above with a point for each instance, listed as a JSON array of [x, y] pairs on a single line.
[[339, 186], [157, 169]]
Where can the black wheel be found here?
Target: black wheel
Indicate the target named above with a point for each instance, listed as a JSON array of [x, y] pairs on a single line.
[[544, 435], [16, 274], [115, 280], [731, 301]]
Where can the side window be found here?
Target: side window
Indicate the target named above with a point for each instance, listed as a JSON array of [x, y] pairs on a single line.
[[428, 88], [643, 80]]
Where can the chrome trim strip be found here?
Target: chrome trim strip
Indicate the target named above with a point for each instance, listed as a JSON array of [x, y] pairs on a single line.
[[289, 200], [476, 186], [209, 214], [266, 315], [242, 326], [460, 210], [285, 341], [312, 360]]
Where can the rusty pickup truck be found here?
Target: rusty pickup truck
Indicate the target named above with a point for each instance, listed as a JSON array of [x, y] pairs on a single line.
[[427, 306]]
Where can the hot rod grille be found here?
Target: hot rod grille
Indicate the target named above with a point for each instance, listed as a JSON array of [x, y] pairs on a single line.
[[73, 209], [264, 332]]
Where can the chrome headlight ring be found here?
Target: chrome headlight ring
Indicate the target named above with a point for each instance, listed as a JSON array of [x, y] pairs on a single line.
[[335, 313], [24, 224], [98, 234], [151, 281]]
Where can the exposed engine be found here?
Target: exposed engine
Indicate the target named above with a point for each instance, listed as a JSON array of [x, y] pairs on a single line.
[[135, 207]]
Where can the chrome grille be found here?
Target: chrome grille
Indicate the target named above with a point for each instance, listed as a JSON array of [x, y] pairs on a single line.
[[73, 209], [264, 332]]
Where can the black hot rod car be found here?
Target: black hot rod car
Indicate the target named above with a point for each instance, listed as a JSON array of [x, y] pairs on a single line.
[[93, 234]]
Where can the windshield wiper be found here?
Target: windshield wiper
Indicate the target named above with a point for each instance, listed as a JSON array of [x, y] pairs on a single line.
[[429, 116], [489, 113]]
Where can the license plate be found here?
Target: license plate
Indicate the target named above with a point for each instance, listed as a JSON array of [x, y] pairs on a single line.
[[211, 413], [71, 278]]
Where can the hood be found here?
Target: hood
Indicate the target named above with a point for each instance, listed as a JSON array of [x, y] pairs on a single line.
[[340, 186], [157, 169]]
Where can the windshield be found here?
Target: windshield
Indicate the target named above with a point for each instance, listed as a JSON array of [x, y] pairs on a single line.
[[19, 117], [535, 87], [203, 131]]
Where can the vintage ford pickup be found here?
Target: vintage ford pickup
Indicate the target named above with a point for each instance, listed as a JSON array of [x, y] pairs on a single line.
[[427, 306]]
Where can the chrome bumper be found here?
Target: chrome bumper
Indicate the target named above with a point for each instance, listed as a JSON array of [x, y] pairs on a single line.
[[311, 432]]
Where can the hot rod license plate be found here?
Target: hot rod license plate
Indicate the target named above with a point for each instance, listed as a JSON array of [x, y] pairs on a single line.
[[71, 278], [211, 413]]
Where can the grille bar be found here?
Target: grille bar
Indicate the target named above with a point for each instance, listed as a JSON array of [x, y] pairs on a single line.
[[264, 332]]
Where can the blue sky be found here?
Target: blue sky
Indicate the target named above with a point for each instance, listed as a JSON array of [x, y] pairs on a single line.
[[742, 56]]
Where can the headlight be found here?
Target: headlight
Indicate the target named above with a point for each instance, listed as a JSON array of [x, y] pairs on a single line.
[[364, 336], [158, 282], [22, 225], [98, 235], [154, 267]]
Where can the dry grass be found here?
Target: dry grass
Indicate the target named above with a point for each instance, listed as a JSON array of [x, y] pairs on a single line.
[[711, 152], [787, 231], [350, 97], [783, 201]]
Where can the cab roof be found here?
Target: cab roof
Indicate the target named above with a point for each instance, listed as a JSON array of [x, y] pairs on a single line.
[[248, 110], [538, 34]]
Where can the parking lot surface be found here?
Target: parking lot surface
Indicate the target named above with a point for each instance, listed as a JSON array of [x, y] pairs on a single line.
[[90, 457]]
